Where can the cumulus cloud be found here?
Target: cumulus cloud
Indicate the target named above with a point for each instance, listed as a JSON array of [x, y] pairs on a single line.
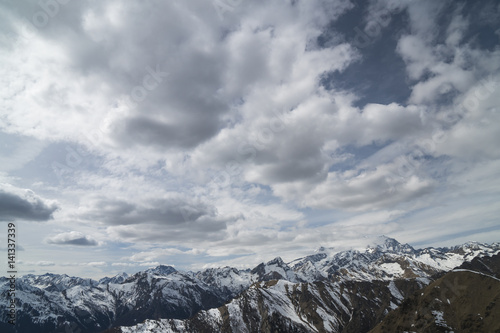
[[170, 92], [368, 190], [71, 238], [23, 204], [236, 133]]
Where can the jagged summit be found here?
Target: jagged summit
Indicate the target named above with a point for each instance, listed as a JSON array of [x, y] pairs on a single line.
[[49, 301], [274, 269], [387, 244], [470, 245], [118, 278], [57, 282], [381, 243], [276, 261], [162, 270]]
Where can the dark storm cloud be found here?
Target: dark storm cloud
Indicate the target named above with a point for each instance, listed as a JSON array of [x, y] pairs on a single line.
[[17, 204]]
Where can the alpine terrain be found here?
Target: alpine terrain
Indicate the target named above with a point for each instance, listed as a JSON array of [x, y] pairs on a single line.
[[387, 287]]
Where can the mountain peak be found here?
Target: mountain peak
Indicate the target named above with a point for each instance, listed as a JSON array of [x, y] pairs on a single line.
[[118, 278], [162, 270], [472, 245], [276, 261], [118, 302], [388, 244], [323, 249]]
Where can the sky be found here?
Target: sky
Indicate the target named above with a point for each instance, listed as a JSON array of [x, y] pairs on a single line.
[[206, 133]]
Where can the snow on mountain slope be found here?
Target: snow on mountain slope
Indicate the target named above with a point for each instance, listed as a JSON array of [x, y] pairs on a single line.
[[227, 279], [462, 300], [43, 308], [211, 319], [386, 260], [274, 270], [283, 306], [119, 278], [162, 270], [55, 282], [350, 291], [49, 302]]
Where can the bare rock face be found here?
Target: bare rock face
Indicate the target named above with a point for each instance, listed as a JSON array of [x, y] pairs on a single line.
[[328, 291], [466, 299], [283, 306]]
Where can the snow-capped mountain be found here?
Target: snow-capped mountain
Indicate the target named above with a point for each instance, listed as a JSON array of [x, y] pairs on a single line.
[[55, 282], [230, 281], [463, 300], [320, 292], [283, 306], [386, 260], [162, 270], [350, 291], [119, 278], [59, 303], [274, 270]]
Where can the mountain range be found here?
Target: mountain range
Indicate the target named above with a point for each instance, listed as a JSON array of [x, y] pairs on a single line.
[[327, 291]]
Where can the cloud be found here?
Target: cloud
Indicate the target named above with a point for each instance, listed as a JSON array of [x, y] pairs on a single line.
[[157, 253], [134, 78], [475, 136], [45, 263], [189, 233], [41, 263], [239, 134], [149, 264], [170, 217], [97, 264], [23, 204], [211, 64], [124, 264], [170, 210], [368, 190], [142, 264], [71, 238], [296, 157]]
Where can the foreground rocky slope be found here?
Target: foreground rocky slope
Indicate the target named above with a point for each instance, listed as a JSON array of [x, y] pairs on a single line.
[[465, 300], [350, 291]]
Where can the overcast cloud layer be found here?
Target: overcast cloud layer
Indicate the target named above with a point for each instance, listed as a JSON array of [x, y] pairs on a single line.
[[203, 133]]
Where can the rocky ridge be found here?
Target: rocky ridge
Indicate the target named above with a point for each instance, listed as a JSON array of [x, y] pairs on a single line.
[[326, 291]]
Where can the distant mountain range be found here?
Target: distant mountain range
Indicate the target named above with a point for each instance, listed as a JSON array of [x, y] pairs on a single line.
[[328, 291]]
